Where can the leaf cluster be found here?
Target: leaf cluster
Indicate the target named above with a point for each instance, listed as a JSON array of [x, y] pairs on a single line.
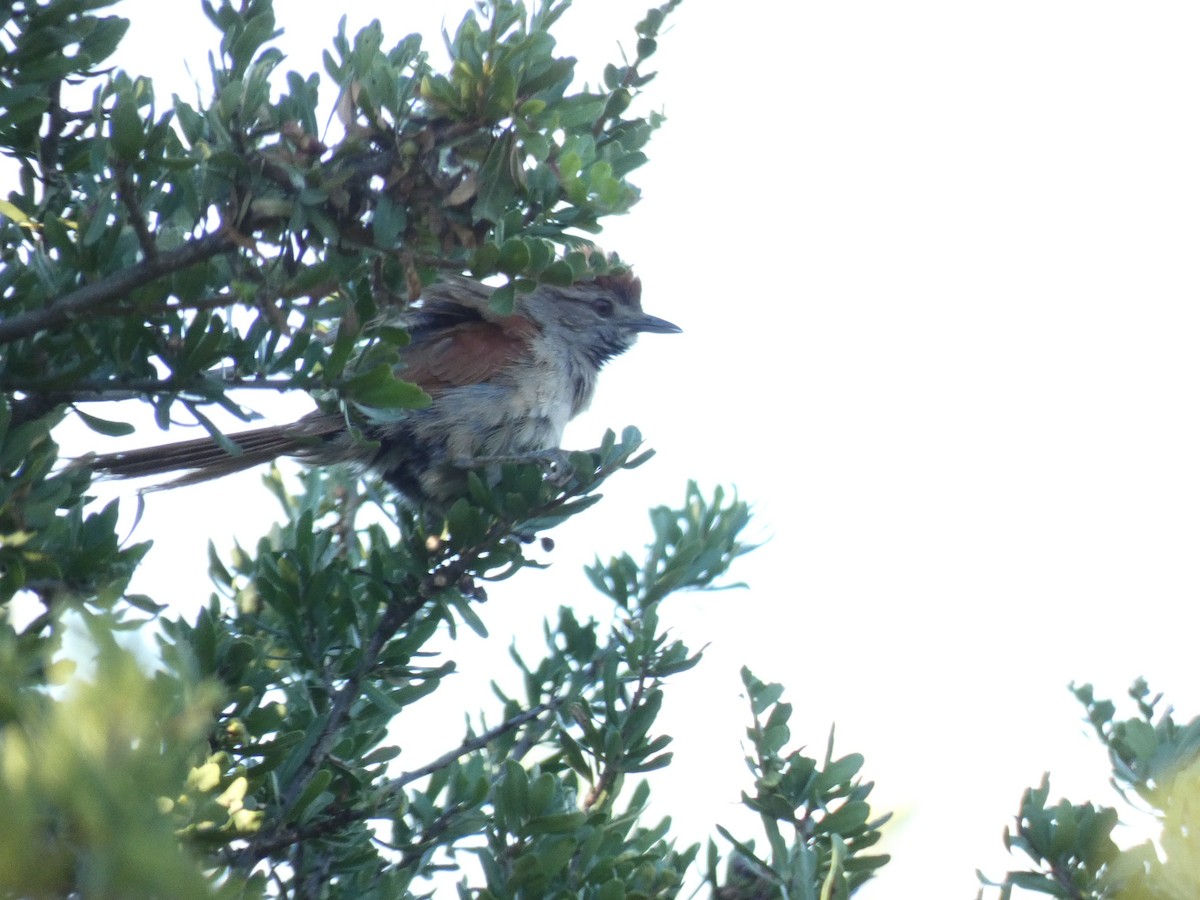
[[815, 814], [692, 546], [322, 646], [1156, 768], [85, 777], [61, 556], [1071, 843]]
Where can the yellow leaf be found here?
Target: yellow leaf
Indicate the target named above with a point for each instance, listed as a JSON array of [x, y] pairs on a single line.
[[233, 796], [12, 211], [15, 538], [247, 820], [204, 778]]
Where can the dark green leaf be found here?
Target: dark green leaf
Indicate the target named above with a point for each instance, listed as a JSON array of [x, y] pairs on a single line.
[[104, 426]]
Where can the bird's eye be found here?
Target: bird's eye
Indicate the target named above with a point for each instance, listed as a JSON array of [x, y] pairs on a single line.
[[603, 307]]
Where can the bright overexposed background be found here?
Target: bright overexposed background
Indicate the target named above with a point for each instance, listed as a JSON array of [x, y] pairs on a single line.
[[936, 267]]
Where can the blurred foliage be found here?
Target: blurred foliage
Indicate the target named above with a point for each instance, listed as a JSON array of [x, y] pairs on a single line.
[[85, 778], [182, 252], [1156, 769]]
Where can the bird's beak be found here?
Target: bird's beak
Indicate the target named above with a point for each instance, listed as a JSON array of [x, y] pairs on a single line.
[[654, 324]]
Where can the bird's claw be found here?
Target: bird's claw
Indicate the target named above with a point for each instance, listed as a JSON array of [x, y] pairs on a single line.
[[555, 463], [556, 467]]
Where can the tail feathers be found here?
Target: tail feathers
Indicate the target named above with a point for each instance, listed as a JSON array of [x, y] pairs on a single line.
[[204, 459]]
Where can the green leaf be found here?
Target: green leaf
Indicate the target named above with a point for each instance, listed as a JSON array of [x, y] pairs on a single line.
[[514, 790], [496, 184], [145, 604], [127, 129], [502, 93], [469, 616], [557, 273], [103, 39], [514, 257], [379, 388], [381, 699], [104, 426], [388, 222], [842, 770], [503, 300], [320, 781]]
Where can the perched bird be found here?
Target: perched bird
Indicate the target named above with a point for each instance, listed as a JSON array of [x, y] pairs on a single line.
[[502, 387]]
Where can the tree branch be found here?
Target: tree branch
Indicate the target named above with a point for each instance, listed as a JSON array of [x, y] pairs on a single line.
[[50, 147], [127, 192], [610, 769], [113, 287], [395, 616], [261, 849], [101, 390], [479, 742]]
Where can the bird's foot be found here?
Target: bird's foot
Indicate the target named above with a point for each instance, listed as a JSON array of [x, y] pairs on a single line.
[[555, 463]]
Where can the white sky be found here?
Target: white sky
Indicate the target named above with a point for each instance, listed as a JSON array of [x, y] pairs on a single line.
[[935, 263]]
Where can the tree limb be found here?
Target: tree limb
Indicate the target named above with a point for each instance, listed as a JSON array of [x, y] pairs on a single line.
[[113, 287]]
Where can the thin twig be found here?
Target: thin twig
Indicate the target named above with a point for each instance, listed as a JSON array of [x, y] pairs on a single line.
[[127, 192], [478, 742], [608, 775], [55, 123], [100, 390]]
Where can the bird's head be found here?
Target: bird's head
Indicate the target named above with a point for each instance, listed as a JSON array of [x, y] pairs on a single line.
[[603, 315]]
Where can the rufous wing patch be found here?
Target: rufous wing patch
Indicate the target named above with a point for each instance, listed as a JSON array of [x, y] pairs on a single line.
[[469, 353]]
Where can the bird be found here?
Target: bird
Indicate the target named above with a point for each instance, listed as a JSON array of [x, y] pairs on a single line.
[[502, 387]]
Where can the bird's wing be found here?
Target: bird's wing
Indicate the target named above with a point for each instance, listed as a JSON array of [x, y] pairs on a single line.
[[469, 352]]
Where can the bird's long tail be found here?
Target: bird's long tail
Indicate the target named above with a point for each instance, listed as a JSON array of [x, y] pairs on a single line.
[[204, 459]]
